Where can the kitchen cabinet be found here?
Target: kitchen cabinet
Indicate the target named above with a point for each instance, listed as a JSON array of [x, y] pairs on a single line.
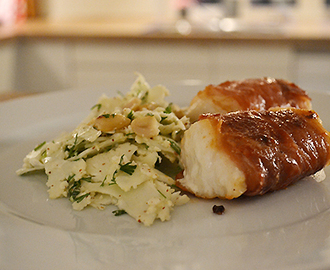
[[43, 65], [7, 65], [209, 62], [47, 64], [47, 57], [313, 70]]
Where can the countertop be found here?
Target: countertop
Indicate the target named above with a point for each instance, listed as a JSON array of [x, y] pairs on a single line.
[[14, 95]]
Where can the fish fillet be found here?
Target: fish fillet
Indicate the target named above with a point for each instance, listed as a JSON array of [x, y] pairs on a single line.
[[249, 94], [252, 152]]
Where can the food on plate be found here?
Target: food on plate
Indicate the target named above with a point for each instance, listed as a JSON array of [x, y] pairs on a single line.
[[252, 152], [255, 94], [263, 137], [218, 209], [115, 156]]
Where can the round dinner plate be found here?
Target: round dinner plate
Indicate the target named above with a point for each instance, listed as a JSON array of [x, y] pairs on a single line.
[[288, 229]]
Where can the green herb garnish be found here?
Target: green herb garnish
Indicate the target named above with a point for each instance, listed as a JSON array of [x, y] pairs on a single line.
[[119, 212], [168, 109], [145, 145], [175, 187], [161, 193], [130, 115], [145, 97], [76, 147], [113, 179], [39, 146], [87, 179], [74, 189], [72, 150], [127, 167], [175, 147], [105, 178], [98, 106], [162, 120], [43, 154], [80, 198], [71, 177]]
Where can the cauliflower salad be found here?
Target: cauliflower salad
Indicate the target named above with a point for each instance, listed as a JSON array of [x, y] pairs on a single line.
[[121, 154]]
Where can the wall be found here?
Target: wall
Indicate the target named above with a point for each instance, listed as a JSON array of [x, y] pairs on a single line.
[[52, 64], [90, 9], [38, 64], [304, 10]]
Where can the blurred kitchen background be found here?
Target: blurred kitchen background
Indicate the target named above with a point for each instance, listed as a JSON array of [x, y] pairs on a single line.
[[48, 45]]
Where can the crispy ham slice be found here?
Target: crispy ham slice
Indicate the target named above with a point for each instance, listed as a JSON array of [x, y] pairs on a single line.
[[252, 152], [249, 94]]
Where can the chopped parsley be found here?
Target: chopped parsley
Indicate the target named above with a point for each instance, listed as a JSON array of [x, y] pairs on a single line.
[[145, 145], [107, 115], [72, 149], [162, 120], [108, 148], [175, 187], [168, 109], [113, 179], [39, 146], [98, 106], [127, 167], [71, 177], [80, 198], [144, 99], [105, 178], [161, 193], [74, 188], [87, 179], [119, 212], [43, 154], [76, 147], [130, 115], [175, 147]]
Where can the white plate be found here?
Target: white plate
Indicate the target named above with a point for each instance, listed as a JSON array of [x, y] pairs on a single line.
[[289, 229]]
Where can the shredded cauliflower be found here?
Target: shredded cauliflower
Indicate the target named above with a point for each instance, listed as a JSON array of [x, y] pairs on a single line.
[[117, 156]]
